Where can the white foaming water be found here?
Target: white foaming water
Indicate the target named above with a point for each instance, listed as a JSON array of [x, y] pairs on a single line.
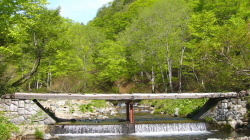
[[160, 134], [144, 134], [139, 129], [89, 129], [90, 134], [170, 127]]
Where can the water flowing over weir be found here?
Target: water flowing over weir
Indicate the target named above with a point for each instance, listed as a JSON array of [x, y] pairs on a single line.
[[170, 127], [129, 128]]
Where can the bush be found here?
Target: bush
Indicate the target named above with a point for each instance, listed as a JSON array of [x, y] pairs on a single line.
[[6, 128], [94, 103], [86, 108], [38, 134]]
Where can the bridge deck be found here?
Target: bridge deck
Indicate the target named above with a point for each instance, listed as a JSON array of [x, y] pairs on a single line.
[[132, 96]]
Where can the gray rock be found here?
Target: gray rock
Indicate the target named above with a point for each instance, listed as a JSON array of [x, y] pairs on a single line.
[[232, 123], [1, 108], [41, 123], [13, 108], [21, 111], [27, 112], [2, 101], [28, 101], [6, 107], [234, 101], [15, 102], [224, 101], [8, 101], [219, 105], [224, 105], [47, 136], [21, 104], [238, 101], [244, 104], [229, 116], [18, 120]]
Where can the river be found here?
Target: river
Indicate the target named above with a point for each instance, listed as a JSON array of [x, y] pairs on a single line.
[[147, 127]]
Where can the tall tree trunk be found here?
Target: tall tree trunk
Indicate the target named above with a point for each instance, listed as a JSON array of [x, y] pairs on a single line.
[[169, 62], [49, 77], [37, 84], [180, 69], [170, 74], [153, 80], [85, 72], [163, 79]]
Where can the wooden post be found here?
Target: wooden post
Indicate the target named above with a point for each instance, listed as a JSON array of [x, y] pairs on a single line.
[[130, 111]]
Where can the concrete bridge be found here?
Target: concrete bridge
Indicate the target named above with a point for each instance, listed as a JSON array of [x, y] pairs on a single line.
[[129, 98]]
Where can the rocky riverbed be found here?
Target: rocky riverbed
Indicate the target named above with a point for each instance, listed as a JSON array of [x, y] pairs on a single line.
[[70, 109]]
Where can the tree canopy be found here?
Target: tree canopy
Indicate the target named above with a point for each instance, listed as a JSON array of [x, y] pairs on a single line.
[[130, 46]]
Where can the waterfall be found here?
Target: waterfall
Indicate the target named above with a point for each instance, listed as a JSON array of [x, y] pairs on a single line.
[[129, 128], [87, 129], [170, 127]]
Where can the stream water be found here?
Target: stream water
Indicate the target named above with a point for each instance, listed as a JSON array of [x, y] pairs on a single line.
[[147, 127]]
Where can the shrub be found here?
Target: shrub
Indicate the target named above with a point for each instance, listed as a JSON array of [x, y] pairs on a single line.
[[85, 108], [6, 128], [38, 134], [94, 103]]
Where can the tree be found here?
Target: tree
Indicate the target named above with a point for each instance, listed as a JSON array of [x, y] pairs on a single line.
[[214, 29], [159, 31], [110, 63], [16, 16], [114, 17], [44, 28], [75, 61]]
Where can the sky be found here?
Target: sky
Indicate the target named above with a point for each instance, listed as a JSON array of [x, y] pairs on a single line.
[[78, 10]]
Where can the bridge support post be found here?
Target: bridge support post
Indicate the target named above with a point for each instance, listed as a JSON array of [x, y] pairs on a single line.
[[130, 111]]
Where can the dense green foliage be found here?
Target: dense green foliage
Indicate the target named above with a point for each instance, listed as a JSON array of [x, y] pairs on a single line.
[[6, 128], [130, 46]]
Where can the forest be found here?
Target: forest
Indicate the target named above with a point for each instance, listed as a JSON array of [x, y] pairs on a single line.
[[131, 46]]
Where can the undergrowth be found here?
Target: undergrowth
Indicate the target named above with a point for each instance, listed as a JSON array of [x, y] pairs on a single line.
[[93, 104], [6, 128], [167, 106]]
